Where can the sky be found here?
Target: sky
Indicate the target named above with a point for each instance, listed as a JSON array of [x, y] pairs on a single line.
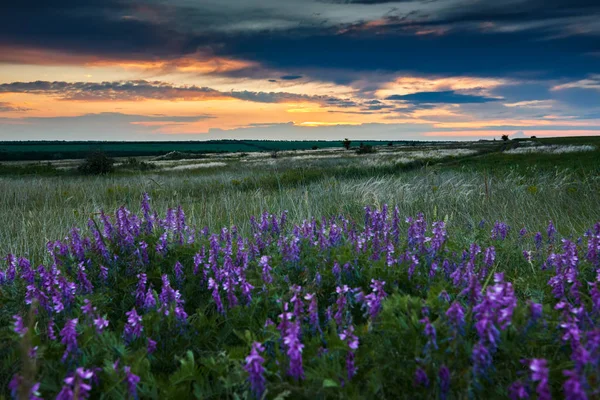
[[298, 69]]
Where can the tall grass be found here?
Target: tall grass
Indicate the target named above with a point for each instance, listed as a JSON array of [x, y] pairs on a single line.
[[38, 209]]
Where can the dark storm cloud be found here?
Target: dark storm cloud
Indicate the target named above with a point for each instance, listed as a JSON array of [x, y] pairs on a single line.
[[551, 37], [144, 90], [290, 77], [447, 96]]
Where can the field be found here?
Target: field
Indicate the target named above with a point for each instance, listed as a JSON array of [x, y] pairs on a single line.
[[59, 150], [463, 270]]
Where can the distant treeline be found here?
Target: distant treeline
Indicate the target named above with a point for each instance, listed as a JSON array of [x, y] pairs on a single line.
[[60, 150]]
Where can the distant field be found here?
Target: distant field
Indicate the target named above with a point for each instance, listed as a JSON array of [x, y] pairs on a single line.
[[60, 150]]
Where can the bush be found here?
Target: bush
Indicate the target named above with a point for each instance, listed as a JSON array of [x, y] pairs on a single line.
[[366, 149], [134, 163], [97, 163]]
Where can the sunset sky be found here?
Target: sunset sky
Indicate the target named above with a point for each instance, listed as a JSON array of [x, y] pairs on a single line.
[[298, 69]]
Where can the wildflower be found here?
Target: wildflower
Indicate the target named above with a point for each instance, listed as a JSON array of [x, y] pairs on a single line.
[[266, 269], [212, 284], [151, 347], [538, 240], [78, 383], [140, 290], [133, 327], [350, 338], [178, 271], [517, 391], [69, 337], [15, 384], [430, 332], [500, 230], [103, 272], [296, 300], [456, 315], [132, 381], [50, 330], [551, 231], [19, 328], [149, 300], [489, 256], [100, 323], [535, 310], [341, 304], [572, 387], [294, 350], [539, 373], [255, 369], [313, 311], [421, 378], [523, 232], [87, 308], [481, 357], [444, 375]]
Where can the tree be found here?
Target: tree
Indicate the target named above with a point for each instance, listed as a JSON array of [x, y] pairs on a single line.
[[347, 142], [505, 138]]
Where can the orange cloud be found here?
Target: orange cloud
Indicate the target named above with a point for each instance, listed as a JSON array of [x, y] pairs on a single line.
[[197, 63], [414, 84]]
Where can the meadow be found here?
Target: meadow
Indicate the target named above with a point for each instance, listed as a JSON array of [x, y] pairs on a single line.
[[465, 270]]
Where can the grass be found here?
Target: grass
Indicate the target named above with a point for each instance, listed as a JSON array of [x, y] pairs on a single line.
[[491, 187], [469, 192]]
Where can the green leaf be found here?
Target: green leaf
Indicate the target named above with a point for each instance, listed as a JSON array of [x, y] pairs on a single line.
[[329, 383]]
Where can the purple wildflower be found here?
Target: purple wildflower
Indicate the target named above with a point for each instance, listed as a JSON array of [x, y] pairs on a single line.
[[535, 310], [313, 311], [151, 346], [430, 332], [178, 268], [421, 378], [212, 284], [523, 232], [19, 328], [539, 373], [500, 230], [69, 337], [78, 383], [50, 330], [100, 323], [266, 269], [133, 327], [294, 350], [255, 369], [350, 338], [551, 231], [456, 315], [517, 391], [572, 387], [341, 304], [444, 375], [132, 381]]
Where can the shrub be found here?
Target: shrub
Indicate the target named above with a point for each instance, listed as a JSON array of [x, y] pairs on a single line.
[[505, 138], [97, 163], [134, 163], [346, 143], [365, 149]]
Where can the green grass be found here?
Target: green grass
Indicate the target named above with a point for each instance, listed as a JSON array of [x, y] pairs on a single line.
[[521, 190]]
